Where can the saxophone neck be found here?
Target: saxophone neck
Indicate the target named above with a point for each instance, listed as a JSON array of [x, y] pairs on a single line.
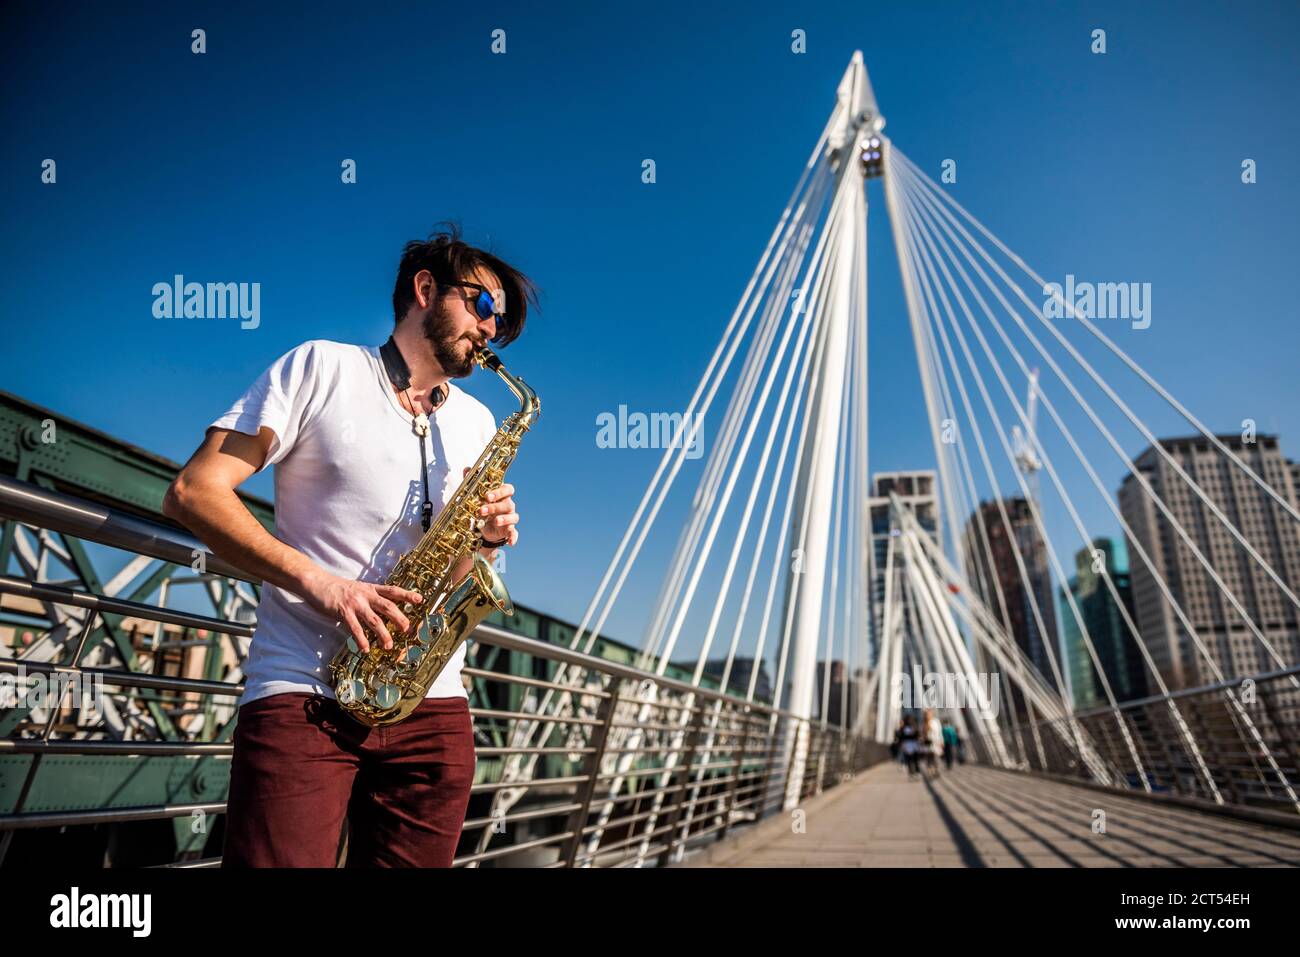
[[529, 405]]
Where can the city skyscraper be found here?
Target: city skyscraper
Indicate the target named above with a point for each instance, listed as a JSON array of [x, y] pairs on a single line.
[[916, 491], [1263, 523], [1111, 638], [1021, 592]]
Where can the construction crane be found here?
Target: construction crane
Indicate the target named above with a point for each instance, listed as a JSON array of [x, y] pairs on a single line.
[[1023, 441]]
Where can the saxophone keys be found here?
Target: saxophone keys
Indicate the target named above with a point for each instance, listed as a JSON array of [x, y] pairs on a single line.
[[349, 691], [387, 695], [413, 655], [356, 651], [435, 625]]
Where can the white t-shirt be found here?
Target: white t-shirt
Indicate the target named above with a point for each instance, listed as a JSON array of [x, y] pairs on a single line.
[[348, 494]]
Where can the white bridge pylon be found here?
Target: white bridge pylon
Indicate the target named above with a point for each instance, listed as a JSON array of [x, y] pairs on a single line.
[[843, 310], [774, 559]]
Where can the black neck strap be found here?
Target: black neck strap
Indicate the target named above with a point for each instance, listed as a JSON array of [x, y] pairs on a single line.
[[399, 373]]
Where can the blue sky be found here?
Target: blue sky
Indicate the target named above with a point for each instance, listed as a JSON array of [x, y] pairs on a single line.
[[225, 167]]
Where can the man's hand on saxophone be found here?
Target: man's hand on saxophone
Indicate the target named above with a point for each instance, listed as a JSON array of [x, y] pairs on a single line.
[[499, 519], [498, 514], [359, 605]]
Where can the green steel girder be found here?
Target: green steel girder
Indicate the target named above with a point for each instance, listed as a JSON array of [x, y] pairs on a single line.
[[85, 782], [91, 464]]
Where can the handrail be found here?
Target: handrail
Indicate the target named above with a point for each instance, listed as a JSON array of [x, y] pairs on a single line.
[[31, 504], [123, 679], [1237, 770], [1188, 692], [61, 595]]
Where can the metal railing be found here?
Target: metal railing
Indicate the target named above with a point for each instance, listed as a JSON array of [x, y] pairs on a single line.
[[1233, 743], [627, 768]]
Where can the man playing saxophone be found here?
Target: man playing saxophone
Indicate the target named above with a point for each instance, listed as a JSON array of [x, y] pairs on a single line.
[[368, 442]]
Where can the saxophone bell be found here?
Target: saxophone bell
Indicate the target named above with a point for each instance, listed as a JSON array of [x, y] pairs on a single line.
[[479, 593]]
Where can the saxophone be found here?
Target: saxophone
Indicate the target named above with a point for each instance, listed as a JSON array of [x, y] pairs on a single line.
[[383, 687]]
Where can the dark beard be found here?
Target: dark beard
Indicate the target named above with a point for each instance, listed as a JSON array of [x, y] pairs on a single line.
[[437, 329]]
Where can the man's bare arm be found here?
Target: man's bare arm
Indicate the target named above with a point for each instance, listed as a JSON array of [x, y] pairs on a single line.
[[203, 499]]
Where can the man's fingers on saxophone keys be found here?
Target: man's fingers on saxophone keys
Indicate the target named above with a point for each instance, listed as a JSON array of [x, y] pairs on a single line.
[[496, 516], [502, 491], [391, 612], [500, 526], [358, 633], [367, 616], [503, 507], [399, 594]]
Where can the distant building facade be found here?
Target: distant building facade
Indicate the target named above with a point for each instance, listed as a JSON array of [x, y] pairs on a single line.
[[742, 669], [1270, 531], [1020, 592], [915, 491], [1121, 661]]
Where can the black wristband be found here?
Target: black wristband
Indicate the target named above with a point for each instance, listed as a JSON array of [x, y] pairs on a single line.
[[484, 543]]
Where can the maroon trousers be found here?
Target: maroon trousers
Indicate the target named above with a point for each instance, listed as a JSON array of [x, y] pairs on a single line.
[[302, 765]]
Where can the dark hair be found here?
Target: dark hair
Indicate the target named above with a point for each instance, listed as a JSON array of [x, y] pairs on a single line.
[[449, 259]]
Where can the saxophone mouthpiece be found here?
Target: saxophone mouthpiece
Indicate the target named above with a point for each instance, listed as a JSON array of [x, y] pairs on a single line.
[[486, 358]]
